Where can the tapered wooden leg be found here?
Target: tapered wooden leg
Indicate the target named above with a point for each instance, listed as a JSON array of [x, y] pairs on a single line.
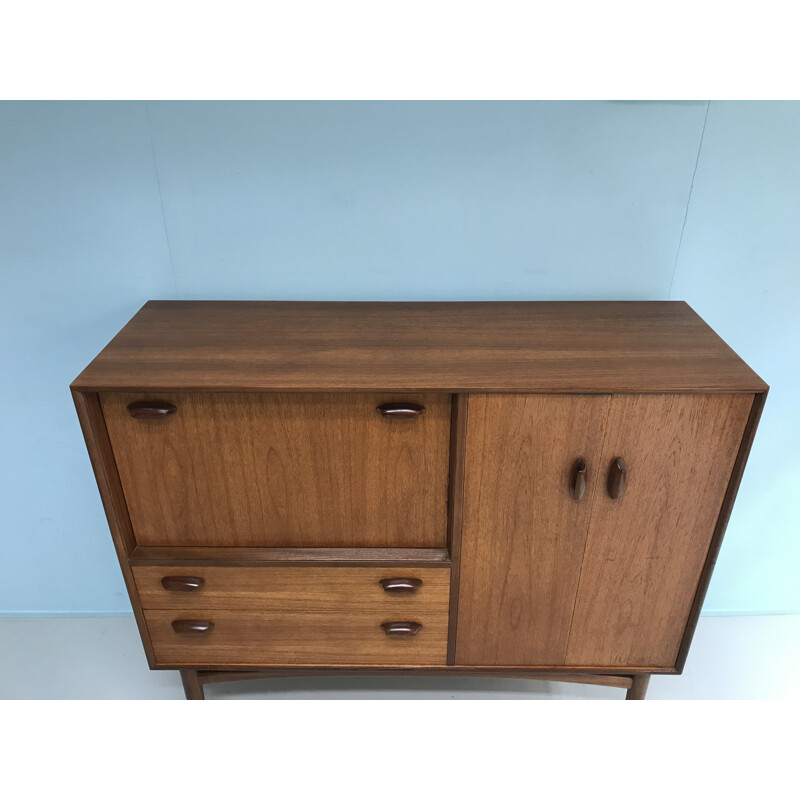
[[638, 688], [191, 685]]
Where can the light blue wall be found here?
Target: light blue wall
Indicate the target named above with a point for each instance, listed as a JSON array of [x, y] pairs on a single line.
[[106, 205], [739, 267]]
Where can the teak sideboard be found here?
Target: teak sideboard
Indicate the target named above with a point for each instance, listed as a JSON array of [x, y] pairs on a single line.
[[511, 489]]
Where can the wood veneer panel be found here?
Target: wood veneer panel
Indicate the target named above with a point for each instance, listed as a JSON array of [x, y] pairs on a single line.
[[283, 470], [298, 638], [451, 347], [523, 533], [645, 551], [722, 524], [343, 589]]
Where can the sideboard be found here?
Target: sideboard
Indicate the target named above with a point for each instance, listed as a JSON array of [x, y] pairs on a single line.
[[519, 489]]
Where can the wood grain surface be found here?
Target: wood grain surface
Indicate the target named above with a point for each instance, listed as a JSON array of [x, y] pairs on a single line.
[[299, 638], [645, 551], [450, 347], [523, 534], [296, 616], [283, 470], [546, 580], [344, 589], [722, 523]]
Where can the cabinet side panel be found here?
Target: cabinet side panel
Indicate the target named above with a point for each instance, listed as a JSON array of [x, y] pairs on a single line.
[[93, 426], [645, 550], [722, 524], [523, 532]]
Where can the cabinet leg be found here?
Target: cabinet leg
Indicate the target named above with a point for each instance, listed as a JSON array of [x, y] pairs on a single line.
[[191, 685], [639, 687]]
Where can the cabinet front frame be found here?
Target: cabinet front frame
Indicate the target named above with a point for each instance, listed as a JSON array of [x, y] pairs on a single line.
[[90, 414]]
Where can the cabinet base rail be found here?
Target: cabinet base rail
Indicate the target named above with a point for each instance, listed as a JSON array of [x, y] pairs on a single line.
[[195, 679]]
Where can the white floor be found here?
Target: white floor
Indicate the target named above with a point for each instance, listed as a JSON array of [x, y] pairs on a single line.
[[102, 658]]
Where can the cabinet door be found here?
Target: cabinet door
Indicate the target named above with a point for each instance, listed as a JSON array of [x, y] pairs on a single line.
[[523, 532], [550, 581], [283, 470], [645, 551]]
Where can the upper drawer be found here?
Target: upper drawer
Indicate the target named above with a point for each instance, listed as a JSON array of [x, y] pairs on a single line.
[[330, 589], [283, 470]]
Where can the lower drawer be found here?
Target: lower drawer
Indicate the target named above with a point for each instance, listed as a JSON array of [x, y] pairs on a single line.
[[311, 616], [246, 638]]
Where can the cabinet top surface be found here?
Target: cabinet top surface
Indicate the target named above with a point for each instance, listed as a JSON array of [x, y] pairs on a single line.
[[454, 347]]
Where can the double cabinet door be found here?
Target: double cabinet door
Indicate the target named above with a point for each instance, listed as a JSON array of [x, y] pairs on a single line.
[[587, 520]]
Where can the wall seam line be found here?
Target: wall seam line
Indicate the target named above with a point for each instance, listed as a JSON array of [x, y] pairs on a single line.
[[161, 198], [688, 200]]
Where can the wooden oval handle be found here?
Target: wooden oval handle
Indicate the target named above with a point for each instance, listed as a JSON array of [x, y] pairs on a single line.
[[151, 409], [192, 627], [616, 479], [401, 629], [182, 583], [400, 410], [577, 479], [400, 585]]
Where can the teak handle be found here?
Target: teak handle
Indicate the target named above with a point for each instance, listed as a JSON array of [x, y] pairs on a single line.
[[182, 583], [400, 585], [577, 479], [400, 410], [192, 627], [151, 409], [401, 629], [616, 479]]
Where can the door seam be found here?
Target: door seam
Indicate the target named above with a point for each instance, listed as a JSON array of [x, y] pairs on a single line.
[[588, 531]]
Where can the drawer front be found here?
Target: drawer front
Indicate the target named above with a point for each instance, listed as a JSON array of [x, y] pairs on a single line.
[[293, 588], [282, 470], [264, 616], [294, 638]]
